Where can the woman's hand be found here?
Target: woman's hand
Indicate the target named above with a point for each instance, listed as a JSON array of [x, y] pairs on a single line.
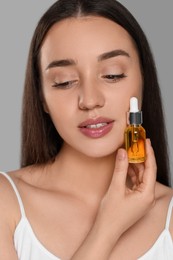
[[122, 205]]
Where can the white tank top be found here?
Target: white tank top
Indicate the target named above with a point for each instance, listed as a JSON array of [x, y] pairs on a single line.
[[28, 247]]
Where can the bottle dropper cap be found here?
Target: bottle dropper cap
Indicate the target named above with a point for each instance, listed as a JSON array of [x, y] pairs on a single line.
[[135, 116], [134, 105]]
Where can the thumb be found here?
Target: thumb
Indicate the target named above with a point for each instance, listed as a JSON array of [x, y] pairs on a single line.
[[120, 171]]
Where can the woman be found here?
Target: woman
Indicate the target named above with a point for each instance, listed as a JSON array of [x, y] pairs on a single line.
[[76, 196]]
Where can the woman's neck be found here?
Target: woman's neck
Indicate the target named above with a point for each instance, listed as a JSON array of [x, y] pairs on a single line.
[[82, 175]]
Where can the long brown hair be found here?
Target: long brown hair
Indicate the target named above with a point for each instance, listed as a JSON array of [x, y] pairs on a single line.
[[40, 140]]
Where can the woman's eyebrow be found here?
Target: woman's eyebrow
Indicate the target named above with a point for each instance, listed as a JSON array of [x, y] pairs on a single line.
[[112, 54], [61, 63], [101, 57]]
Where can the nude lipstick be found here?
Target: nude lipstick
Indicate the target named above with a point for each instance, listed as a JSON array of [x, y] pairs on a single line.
[[96, 128]]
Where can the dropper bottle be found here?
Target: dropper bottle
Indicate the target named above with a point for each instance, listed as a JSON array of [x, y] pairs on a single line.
[[135, 134]]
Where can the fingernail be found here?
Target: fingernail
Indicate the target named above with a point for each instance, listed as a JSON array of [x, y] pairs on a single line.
[[121, 155]]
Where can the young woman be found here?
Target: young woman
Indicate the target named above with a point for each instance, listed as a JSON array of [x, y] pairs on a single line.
[[76, 196]]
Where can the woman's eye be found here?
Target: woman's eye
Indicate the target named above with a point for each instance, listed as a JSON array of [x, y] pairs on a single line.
[[114, 77], [65, 84]]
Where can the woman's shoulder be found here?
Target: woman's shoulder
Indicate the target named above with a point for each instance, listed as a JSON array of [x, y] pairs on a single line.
[[163, 192], [30, 176], [164, 205], [9, 208], [6, 191], [9, 215], [10, 184], [163, 196]]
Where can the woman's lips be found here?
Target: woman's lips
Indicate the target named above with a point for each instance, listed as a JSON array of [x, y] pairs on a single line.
[[96, 128]]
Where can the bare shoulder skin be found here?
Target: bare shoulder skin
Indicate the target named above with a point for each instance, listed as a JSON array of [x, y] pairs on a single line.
[[71, 225], [9, 217], [148, 229]]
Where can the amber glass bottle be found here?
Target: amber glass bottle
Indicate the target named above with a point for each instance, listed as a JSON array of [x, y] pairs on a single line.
[[135, 134]]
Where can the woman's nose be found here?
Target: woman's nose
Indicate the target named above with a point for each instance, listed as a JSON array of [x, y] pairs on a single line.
[[90, 97]]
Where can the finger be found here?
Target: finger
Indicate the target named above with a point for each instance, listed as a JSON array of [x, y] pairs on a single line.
[[120, 171], [139, 170], [135, 175], [136, 169], [149, 176], [132, 174]]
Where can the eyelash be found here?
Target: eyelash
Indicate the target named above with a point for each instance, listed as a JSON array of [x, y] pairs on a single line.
[[67, 84], [114, 78], [64, 85]]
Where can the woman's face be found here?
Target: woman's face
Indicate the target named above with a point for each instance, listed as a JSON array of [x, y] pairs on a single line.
[[90, 69]]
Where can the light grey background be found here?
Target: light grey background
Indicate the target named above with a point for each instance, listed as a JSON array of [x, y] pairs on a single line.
[[17, 22]]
